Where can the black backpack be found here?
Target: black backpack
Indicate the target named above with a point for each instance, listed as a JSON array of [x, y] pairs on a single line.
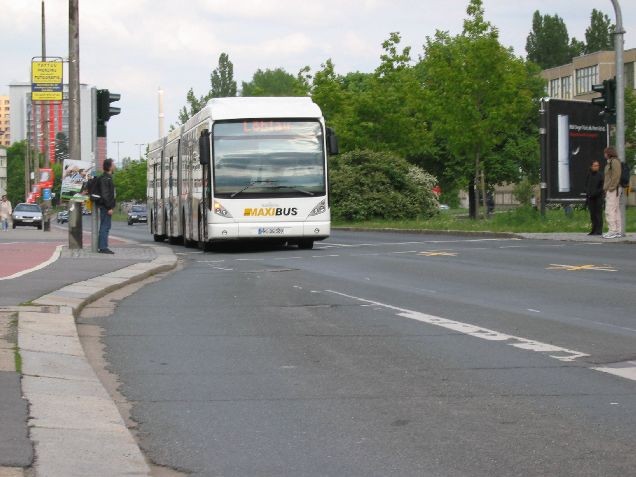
[[92, 188], [625, 173]]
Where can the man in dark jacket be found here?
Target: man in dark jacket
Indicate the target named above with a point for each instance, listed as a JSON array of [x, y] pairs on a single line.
[[106, 205], [594, 197]]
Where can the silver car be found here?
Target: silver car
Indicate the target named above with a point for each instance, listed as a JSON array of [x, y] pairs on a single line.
[[27, 214]]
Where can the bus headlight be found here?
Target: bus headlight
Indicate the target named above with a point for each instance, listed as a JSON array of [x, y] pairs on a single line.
[[319, 209], [220, 210]]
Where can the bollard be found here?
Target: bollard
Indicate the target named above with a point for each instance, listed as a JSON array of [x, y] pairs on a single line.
[[75, 225]]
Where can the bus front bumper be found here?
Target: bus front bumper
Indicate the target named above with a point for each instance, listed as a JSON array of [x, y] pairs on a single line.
[[270, 230]]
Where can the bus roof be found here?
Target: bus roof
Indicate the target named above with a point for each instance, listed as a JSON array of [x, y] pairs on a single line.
[[262, 107]]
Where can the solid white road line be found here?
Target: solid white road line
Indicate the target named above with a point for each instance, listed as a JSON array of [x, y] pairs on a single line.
[[625, 369], [54, 257], [562, 354]]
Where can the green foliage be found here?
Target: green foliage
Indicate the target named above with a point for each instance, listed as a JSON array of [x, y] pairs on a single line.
[[15, 172], [600, 34], [524, 191], [276, 82], [483, 111], [630, 126], [61, 147], [222, 85], [381, 111], [130, 182], [548, 44], [369, 185]]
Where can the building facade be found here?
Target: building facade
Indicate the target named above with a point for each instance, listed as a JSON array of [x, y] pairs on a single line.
[[29, 121], [5, 118], [575, 80]]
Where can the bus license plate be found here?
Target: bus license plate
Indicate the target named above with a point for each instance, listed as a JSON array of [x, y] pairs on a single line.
[[271, 231]]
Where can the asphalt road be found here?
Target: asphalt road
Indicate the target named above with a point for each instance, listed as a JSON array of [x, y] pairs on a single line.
[[385, 355]]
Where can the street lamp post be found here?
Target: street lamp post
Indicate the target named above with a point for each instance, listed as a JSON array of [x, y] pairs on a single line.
[[118, 143], [140, 144]]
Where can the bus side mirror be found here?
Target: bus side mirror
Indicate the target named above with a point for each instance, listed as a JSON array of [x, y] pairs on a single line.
[[204, 147], [332, 142]]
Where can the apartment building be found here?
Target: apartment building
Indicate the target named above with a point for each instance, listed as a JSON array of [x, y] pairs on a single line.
[[575, 80], [29, 120], [5, 125]]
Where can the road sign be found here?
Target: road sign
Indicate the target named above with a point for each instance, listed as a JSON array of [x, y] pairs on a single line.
[[46, 80]]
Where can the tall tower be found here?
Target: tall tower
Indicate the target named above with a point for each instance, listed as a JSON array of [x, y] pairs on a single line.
[[161, 116]]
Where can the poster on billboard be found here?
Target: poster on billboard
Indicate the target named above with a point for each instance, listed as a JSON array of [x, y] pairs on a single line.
[[74, 175], [576, 135]]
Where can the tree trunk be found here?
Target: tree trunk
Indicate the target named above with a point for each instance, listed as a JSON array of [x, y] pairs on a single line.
[[472, 203]]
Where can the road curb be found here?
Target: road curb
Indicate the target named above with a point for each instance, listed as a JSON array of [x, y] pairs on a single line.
[[74, 424]]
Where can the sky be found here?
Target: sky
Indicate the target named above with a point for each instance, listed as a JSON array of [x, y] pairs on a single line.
[[133, 47]]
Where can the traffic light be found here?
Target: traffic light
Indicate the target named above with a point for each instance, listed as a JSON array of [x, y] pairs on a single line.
[[104, 110], [607, 100]]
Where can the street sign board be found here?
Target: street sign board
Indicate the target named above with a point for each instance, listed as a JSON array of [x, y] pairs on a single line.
[[46, 80], [576, 135]]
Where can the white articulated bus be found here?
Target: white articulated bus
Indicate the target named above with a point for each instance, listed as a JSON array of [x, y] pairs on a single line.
[[243, 168]]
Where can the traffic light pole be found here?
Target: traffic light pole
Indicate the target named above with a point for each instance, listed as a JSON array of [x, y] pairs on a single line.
[[619, 46]]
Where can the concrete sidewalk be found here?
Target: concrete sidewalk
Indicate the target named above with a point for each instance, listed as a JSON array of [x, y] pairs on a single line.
[[69, 412]]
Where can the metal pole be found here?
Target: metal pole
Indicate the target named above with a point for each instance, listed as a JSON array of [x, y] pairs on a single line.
[[620, 98], [118, 143], [73, 80], [96, 165], [45, 121], [140, 144], [543, 140], [75, 151]]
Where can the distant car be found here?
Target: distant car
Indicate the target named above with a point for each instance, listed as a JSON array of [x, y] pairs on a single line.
[[27, 214], [444, 207], [62, 216], [137, 215]]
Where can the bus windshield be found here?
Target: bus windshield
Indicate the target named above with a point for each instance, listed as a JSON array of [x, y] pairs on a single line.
[[268, 158]]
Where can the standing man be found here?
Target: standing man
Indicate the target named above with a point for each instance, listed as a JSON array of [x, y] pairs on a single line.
[[594, 197], [106, 189], [5, 212], [613, 192]]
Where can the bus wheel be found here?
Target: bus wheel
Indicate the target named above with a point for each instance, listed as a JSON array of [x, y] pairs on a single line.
[[306, 244]]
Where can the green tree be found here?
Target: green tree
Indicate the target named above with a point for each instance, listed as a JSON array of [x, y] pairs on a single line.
[[15, 172], [61, 147], [222, 85], [549, 44], [222, 79], [131, 181], [600, 34], [480, 97], [276, 82]]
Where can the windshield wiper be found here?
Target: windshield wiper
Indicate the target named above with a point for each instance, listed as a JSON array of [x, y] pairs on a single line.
[[253, 183]]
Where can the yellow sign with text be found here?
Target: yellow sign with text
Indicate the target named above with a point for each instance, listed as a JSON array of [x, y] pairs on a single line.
[[46, 80]]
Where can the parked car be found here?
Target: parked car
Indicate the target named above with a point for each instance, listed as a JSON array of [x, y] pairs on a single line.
[[62, 216], [137, 214], [27, 214]]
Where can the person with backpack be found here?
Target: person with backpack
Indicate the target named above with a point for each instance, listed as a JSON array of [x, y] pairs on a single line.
[[106, 202], [613, 193], [594, 197]]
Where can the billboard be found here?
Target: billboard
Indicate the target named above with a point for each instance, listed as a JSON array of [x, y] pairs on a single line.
[[576, 135], [74, 175]]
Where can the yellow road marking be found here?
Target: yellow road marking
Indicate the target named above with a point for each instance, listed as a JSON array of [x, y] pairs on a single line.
[[576, 268], [437, 253]]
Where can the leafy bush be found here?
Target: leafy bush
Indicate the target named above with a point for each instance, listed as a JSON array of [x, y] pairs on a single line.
[[524, 191], [374, 185]]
